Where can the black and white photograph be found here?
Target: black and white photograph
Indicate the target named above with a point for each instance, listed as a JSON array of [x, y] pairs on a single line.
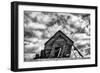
[[56, 36], [53, 36]]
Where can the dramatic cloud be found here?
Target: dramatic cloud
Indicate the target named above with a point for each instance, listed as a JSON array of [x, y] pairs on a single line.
[[32, 25], [38, 33]]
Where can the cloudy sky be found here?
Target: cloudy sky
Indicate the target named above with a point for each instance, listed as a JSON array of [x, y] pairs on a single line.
[[40, 26]]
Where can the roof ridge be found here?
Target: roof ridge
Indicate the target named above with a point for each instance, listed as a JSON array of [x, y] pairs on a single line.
[[59, 31]]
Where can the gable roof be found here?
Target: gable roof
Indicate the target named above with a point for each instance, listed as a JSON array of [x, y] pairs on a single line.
[[57, 34]]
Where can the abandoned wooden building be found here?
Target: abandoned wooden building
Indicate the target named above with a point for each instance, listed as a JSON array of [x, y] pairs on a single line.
[[58, 46]]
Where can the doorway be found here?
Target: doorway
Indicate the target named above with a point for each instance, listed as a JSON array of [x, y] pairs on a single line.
[[57, 52]]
